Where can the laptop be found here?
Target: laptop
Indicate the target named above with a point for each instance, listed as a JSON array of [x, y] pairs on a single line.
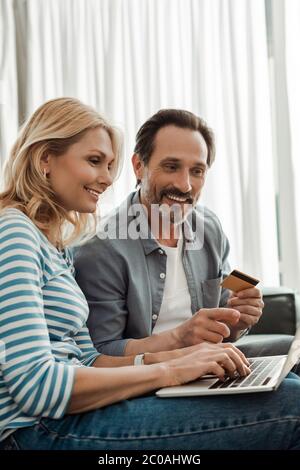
[[266, 374]]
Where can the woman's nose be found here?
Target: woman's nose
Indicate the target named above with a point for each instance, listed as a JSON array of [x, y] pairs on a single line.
[[105, 178]]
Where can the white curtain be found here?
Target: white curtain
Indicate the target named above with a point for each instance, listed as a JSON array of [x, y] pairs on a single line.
[[233, 62], [8, 81], [130, 58], [286, 27]]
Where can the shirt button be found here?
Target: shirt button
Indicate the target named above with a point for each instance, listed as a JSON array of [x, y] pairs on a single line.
[[162, 275], [154, 316]]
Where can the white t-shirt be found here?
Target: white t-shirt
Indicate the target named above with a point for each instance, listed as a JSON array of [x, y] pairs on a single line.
[[176, 303]]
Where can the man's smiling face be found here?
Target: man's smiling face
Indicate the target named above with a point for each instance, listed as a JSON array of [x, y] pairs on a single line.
[[175, 173]]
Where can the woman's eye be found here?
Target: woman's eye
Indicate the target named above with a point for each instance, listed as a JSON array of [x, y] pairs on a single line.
[[94, 161]]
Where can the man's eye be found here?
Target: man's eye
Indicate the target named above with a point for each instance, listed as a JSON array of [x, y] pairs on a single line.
[[170, 167], [198, 171]]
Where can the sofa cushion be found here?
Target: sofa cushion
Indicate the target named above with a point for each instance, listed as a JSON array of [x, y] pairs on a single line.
[[281, 312], [264, 345]]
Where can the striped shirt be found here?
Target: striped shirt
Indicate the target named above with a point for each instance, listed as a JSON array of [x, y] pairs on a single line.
[[43, 336]]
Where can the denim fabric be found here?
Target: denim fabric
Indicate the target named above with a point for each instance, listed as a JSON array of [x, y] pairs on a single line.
[[269, 420]]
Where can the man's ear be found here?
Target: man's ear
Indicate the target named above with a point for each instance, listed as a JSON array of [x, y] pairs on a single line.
[[138, 166]]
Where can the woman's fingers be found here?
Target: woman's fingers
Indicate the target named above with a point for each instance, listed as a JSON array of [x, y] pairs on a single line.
[[241, 366], [208, 347], [232, 361], [226, 363], [214, 368], [237, 351]]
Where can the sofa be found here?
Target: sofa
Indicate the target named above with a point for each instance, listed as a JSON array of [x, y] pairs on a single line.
[[274, 332]]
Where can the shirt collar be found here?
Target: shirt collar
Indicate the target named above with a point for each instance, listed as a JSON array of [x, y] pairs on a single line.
[[146, 236]]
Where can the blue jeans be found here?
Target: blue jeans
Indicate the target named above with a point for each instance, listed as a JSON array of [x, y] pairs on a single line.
[[269, 420]]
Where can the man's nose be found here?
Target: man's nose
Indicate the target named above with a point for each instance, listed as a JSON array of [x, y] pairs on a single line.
[[183, 182]]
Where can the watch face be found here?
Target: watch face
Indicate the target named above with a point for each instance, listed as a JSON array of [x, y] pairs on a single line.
[[139, 360]]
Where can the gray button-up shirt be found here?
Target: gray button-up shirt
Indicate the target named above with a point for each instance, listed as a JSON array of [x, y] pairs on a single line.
[[123, 278]]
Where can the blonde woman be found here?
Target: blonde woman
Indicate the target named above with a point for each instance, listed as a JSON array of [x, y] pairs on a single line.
[[56, 391]]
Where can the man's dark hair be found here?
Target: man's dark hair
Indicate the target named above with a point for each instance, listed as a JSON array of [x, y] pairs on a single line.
[[145, 137]]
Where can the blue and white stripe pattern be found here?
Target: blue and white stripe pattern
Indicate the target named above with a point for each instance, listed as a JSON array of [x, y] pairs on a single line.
[[43, 335]]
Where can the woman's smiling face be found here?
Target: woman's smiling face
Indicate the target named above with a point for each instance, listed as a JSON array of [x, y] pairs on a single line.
[[83, 172]]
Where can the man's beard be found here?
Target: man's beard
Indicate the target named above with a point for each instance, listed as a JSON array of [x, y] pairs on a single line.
[[178, 211]]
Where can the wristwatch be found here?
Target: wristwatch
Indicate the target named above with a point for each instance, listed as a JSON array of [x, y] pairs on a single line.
[[139, 360], [244, 333]]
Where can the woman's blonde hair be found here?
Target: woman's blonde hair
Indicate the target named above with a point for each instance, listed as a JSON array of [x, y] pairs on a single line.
[[53, 127]]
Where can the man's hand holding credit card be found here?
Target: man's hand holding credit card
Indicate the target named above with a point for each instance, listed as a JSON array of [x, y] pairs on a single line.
[[245, 297], [213, 325]]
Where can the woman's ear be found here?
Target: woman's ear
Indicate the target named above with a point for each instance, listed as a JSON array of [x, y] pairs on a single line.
[[45, 163]]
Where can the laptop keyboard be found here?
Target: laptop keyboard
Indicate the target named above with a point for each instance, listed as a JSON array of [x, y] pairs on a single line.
[[262, 370]]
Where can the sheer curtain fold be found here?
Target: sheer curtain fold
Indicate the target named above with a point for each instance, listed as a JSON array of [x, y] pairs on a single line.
[[8, 80], [236, 103], [129, 58], [289, 22]]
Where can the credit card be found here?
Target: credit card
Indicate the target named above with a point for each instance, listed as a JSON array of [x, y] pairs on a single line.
[[237, 281]]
